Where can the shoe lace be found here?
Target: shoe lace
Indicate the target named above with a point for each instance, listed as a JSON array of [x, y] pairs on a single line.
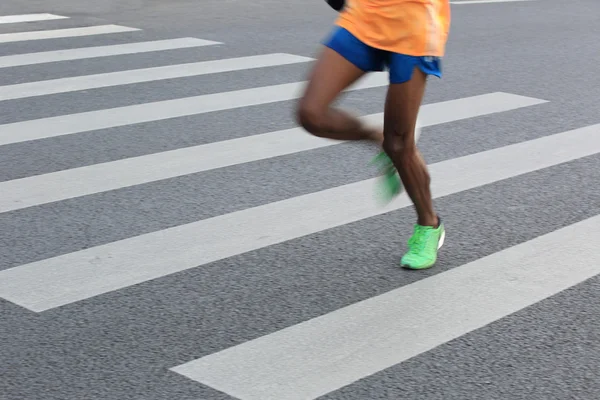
[[419, 239]]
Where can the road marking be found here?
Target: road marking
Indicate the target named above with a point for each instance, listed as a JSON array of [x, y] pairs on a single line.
[[62, 185], [121, 116], [12, 19], [318, 356], [61, 280], [486, 1], [86, 82], [64, 33], [101, 51]]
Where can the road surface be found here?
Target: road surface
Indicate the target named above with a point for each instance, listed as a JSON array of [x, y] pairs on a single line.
[[167, 231]]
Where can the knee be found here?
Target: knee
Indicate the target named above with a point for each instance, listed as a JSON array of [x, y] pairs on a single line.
[[399, 143], [311, 118]]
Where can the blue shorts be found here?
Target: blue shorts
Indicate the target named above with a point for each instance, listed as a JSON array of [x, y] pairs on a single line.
[[369, 59]]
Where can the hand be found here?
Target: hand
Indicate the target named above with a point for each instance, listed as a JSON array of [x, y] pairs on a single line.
[[337, 5]]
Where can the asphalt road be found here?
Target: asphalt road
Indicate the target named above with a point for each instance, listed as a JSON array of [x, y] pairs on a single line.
[[168, 234]]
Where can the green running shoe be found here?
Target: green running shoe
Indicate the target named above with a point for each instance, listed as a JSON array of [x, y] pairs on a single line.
[[423, 247], [390, 184]]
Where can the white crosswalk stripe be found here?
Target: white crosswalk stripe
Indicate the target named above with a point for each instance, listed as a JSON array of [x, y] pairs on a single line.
[[63, 33], [43, 57], [86, 82], [323, 354], [94, 120], [467, 2], [13, 19]]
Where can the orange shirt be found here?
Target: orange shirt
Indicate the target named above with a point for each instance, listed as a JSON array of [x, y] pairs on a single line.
[[412, 27]]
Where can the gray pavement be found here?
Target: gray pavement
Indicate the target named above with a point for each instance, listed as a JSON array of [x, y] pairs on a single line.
[[152, 297]]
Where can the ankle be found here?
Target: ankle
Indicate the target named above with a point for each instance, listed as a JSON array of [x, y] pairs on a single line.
[[429, 220]]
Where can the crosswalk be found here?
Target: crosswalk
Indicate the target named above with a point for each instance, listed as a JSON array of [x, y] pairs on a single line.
[[320, 355]]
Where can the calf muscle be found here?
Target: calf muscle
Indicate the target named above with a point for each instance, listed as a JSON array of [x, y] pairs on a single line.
[[401, 111]]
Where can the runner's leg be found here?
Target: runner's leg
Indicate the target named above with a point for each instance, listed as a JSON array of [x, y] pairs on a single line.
[[401, 110], [405, 94], [331, 75]]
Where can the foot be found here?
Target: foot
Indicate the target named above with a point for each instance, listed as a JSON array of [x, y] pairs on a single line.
[[423, 247], [390, 182]]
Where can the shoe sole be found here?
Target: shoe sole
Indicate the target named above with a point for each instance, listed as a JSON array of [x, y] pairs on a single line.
[[442, 238]]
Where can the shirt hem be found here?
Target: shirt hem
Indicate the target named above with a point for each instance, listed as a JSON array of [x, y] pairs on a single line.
[[350, 27]]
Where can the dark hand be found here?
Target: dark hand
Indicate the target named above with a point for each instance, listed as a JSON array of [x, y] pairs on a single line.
[[337, 5]]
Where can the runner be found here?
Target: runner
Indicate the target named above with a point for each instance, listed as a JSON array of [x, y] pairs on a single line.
[[408, 37]]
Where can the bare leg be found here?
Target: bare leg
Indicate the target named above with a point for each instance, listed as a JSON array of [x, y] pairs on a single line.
[[331, 75], [401, 110]]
